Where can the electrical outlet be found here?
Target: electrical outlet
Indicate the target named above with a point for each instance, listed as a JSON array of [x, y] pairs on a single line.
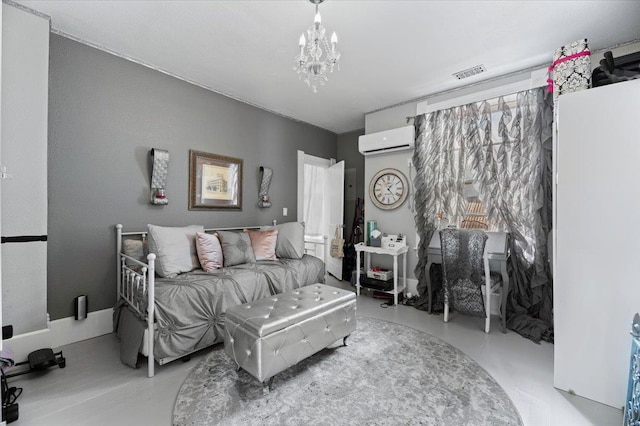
[[285, 211]]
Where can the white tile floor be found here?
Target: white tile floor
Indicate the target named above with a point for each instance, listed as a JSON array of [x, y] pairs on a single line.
[[96, 389]]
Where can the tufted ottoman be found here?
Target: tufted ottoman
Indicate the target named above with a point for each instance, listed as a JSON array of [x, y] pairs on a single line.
[[269, 335]]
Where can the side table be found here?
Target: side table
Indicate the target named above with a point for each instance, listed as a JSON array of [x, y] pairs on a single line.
[[395, 252]]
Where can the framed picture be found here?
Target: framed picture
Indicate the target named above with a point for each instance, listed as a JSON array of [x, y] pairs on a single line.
[[215, 181]]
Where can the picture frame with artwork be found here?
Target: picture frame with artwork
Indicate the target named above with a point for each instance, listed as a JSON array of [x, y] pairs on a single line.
[[215, 182]]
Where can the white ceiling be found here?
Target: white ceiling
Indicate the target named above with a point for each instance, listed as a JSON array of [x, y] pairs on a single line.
[[392, 50]]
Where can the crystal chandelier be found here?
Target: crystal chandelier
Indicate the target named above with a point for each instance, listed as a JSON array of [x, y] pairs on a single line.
[[311, 63]]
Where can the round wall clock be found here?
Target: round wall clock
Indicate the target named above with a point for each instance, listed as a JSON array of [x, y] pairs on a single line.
[[388, 189]]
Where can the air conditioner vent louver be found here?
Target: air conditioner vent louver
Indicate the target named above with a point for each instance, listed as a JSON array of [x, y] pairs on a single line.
[[470, 72]]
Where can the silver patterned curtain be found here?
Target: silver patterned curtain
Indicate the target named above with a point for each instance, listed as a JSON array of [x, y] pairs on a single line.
[[505, 146]]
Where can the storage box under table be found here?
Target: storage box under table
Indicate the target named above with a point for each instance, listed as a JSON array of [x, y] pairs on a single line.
[[380, 274], [269, 335]]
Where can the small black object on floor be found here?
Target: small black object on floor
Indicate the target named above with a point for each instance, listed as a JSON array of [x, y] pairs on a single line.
[[388, 297], [40, 360], [9, 397]]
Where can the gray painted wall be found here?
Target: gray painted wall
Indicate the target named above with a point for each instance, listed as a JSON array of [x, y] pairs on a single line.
[[354, 168], [398, 221], [105, 114]]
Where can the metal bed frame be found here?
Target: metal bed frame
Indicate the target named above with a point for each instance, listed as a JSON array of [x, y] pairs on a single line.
[[131, 284]]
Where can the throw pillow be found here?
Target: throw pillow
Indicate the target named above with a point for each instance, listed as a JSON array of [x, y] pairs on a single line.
[[209, 251], [175, 249], [236, 248], [290, 243], [135, 249], [263, 243]]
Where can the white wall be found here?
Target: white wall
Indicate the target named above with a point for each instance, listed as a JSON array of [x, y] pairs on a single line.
[[390, 118], [25, 77]]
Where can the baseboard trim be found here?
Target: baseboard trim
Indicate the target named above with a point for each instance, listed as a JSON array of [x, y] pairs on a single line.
[[69, 330], [23, 344]]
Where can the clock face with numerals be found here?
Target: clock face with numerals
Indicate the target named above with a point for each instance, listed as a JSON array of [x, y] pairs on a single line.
[[388, 189]]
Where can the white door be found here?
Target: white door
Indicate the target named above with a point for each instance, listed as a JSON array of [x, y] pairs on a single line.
[[321, 203], [595, 287], [335, 196]]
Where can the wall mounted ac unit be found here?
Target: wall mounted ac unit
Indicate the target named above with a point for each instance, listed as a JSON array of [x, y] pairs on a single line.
[[400, 139]]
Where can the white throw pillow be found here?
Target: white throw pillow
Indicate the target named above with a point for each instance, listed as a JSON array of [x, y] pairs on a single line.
[[209, 251], [175, 249]]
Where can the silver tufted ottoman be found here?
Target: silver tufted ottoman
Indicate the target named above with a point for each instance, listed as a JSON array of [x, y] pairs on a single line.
[[269, 335]]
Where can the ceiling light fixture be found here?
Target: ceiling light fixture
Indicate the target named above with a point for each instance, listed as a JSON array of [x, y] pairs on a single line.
[[312, 64]]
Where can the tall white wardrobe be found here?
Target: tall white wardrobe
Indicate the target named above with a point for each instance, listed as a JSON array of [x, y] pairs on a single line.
[[597, 244], [23, 152]]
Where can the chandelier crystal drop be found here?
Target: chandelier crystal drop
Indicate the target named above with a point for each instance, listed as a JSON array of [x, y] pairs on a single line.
[[310, 62]]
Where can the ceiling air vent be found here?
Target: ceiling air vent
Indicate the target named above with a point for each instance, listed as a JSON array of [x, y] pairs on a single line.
[[469, 72]]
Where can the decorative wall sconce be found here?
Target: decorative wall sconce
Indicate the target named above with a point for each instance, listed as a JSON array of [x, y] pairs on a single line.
[[267, 174], [160, 160]]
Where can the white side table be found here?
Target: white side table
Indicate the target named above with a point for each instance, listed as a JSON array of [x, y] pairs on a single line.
[[390, 252]]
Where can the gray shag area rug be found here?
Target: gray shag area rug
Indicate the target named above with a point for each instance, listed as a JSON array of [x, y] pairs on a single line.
[[388, 374]]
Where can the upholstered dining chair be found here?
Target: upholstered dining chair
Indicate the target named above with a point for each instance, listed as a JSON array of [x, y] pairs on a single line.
[[465, 273]]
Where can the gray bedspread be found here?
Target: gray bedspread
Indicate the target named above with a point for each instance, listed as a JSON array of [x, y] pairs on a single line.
[[190, 309]]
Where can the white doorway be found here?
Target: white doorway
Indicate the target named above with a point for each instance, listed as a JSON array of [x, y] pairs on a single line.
[[321, 203]]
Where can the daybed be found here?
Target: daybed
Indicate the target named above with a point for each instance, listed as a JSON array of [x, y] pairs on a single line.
[[176, 283]]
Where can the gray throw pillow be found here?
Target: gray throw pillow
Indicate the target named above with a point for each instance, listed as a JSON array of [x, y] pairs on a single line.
[[290, 242], [236, 248], [175, 249]]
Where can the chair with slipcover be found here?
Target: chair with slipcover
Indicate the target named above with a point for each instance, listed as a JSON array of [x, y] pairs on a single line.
[[465, 273]]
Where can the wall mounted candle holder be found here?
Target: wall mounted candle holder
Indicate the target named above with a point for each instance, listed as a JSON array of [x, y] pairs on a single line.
[[159, 173]]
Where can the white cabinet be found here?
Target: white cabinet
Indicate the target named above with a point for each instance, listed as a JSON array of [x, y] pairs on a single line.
[[25, 86], [597, 244]]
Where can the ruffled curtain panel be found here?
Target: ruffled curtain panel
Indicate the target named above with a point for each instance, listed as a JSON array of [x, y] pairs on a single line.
[[506, 150]]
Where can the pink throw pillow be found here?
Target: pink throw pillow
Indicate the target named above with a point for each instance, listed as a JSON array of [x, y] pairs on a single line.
[[263, 243], [209, 251]]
